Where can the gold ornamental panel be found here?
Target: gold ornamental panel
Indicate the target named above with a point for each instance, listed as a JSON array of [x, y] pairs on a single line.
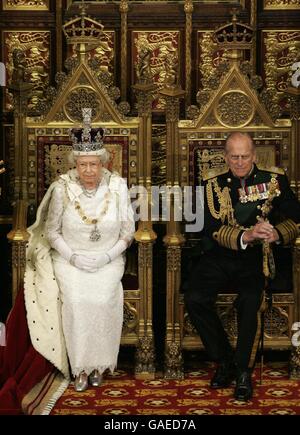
[[130, 318], [36, 47], [80, 98], [281, 49], [209, 57], [104, 53], [277, 322], [26, 5], [159, 156], [234, 109], [155, 54], [281, 4]]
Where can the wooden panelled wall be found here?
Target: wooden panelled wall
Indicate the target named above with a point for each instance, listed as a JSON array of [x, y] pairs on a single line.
[[166, 28]]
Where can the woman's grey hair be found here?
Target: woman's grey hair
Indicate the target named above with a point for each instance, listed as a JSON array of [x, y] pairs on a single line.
[[104, 157]]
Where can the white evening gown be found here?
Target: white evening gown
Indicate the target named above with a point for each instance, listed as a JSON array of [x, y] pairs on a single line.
[[92, 303]]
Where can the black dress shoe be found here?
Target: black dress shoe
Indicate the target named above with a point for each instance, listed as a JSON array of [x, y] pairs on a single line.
[[243, 389], [224, 375]]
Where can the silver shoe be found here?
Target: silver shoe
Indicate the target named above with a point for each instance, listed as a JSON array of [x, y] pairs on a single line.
[[95, 378], [81, 382]]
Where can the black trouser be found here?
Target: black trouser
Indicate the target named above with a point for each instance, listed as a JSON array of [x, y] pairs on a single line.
[[213, 273]]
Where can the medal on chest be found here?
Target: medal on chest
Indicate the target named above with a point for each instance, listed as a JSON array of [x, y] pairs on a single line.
[[259, 192]]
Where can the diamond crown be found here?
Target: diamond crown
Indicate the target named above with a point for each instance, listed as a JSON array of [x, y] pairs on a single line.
[[87, 140]]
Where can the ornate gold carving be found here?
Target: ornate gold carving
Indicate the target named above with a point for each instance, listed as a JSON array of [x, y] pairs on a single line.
[[71, 63], [36, 46], [173, 258], [19, 254], [83, 31], [114, 92], [192, 112], [124, 6], [294, 100], [56, 161], [20, 89], [144, 96], [158, 155], [60, 116], [130, 318], [208, 159], [145, 356], [156, 59], [210, 56], [282, 50], [234, 35], [173, 361], [105, 51], [229, 320], [211, 121], [19, 66], [78, 99], [124, 107], [234, 109], [277, 322], [172, 108], [188, 9], [90, 43], [123, 11], [281, 4], [26, 4], [145, 254], [188, 327]]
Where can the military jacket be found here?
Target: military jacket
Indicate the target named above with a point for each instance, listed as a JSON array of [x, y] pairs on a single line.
[[233, 205]]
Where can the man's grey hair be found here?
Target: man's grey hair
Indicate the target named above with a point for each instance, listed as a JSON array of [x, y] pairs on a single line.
[[236, 135]]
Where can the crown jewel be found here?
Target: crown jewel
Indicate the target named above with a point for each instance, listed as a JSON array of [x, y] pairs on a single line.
[[87, 140]]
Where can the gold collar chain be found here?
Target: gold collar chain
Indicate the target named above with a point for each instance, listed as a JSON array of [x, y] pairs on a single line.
[[93, 221]]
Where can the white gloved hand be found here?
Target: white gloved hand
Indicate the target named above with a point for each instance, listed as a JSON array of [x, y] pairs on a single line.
[[84, 263], [101, 260]]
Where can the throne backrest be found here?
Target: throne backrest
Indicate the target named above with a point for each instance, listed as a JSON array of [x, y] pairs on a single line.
[[53, 159]]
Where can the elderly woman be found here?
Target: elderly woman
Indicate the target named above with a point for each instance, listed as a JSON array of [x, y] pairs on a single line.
[[87, 220]]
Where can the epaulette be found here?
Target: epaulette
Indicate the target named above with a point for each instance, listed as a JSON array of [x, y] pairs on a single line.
[[212, 173], [274, 169]]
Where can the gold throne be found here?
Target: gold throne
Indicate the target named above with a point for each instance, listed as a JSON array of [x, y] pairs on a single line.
[[230, 101], [43, 157]]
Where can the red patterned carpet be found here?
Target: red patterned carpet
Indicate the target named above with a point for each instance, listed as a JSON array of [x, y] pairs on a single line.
[[121, 394]]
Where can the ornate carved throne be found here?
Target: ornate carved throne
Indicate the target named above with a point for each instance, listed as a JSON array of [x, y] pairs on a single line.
[[231, 101], [46, 145]]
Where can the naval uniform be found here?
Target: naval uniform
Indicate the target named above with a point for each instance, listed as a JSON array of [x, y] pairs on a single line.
[[233, 205]]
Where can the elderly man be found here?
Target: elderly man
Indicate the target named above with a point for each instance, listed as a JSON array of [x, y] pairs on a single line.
[[243, 203]]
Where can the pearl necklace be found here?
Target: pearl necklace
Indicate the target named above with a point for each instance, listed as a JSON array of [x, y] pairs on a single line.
[[89, 193]]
